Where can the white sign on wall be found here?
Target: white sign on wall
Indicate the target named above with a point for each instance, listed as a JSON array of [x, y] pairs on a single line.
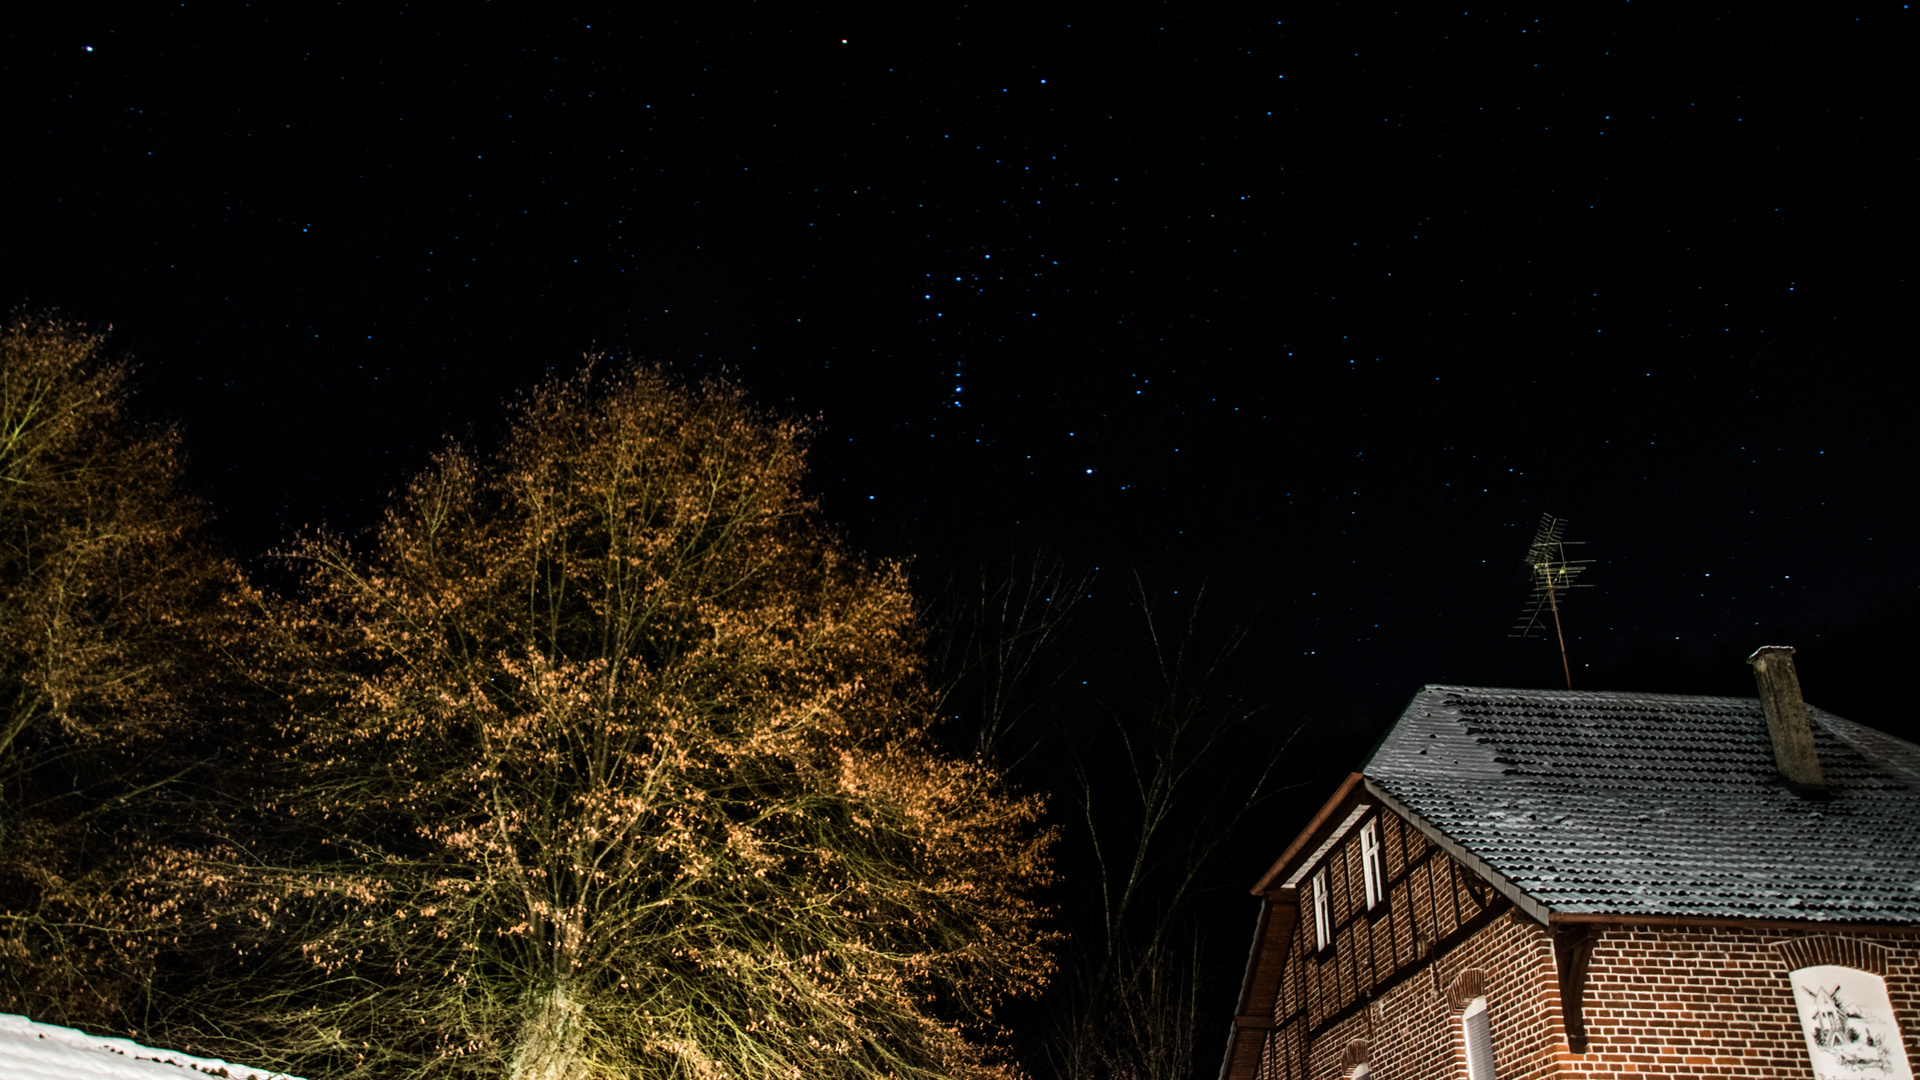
[[1849, 1024]]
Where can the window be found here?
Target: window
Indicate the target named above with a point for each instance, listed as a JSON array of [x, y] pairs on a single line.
[[1322, 910], [1479, 1040], [1370, 864], [1356, 1062]]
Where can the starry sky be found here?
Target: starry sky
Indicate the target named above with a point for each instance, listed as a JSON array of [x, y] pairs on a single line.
[[1324, 303]]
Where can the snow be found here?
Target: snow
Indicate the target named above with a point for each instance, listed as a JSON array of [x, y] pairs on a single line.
[[30, 1051]]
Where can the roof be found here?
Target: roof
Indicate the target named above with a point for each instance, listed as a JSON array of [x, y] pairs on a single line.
[[1617, 804], [30, 1051]]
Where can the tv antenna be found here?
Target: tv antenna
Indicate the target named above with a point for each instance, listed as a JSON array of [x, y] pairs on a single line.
[[1550, 576]]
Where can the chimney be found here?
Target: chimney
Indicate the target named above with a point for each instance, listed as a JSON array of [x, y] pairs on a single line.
[[1787, 718]]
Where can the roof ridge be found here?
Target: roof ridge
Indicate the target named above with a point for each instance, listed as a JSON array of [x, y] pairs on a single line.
[[1587, 695], [1890, 752]]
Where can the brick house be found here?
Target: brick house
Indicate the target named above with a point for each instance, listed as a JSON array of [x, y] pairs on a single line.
[[1525, 883]]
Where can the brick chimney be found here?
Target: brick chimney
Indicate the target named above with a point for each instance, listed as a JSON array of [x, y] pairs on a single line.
[[1786, 715]]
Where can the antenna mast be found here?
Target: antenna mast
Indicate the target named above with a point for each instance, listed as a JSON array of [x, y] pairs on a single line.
[[1550, 575]]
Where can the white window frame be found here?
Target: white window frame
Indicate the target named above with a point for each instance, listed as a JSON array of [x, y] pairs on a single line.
[[1370, 864], [1322, 910], [1476, 1026]]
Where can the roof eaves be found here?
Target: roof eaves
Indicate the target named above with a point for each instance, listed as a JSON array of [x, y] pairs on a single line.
[[1266, 965]]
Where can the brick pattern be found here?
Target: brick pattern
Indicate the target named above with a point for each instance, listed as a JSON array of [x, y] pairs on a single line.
[[1715, 1001], [1660, 1001], [1330, 998], [1413, 1031], [1850, 952]]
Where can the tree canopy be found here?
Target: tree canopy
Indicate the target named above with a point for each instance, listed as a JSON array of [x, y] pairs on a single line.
[[112, 633], [608, 758]]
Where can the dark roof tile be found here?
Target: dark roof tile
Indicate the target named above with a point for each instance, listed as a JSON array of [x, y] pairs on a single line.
[[1660, 805]]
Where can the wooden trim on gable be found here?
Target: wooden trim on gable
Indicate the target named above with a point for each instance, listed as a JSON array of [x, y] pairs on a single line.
[[1311, 834], [1431, 940], [1253, 1015], [1273, 938]]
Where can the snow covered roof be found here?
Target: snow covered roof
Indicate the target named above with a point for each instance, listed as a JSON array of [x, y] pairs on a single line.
[[1654, 804], [30, 1051]]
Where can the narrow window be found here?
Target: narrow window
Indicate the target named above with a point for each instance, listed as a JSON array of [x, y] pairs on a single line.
[[1370, 863], [1322, 910], [1479, 1041], [1356, 1060]]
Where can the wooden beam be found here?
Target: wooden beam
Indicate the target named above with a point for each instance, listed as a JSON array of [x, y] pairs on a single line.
[[1610, 919], [1572, 948], [1260, 986]]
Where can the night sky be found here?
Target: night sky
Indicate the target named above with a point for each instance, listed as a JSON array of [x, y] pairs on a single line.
[[1328, 302]]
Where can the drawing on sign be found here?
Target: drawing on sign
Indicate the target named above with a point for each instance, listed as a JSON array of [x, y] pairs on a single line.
[[1849, 1024]]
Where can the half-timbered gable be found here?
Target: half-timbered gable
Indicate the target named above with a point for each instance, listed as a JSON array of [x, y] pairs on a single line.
[[1427, 902]]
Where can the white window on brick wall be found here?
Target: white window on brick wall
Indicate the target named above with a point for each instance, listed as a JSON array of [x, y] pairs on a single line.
[[1322, 911], [1479, 1041], [1370, 866]]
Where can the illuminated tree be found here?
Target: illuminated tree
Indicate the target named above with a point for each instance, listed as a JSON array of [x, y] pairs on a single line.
[[608, 759], [111, 629]]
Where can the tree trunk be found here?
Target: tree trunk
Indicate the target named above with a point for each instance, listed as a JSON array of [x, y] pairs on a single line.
[[551, 1041]]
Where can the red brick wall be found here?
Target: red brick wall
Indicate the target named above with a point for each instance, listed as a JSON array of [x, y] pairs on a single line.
[[1412, 1031], [1702, 1002], [1716, 1001]]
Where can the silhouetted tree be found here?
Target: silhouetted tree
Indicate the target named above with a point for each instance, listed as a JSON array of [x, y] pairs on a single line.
[[1152, 729], [1173, 747], [1002, 647]]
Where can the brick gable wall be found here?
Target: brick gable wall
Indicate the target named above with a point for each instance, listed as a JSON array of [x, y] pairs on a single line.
[[1412, 1030], [1329, 998]]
